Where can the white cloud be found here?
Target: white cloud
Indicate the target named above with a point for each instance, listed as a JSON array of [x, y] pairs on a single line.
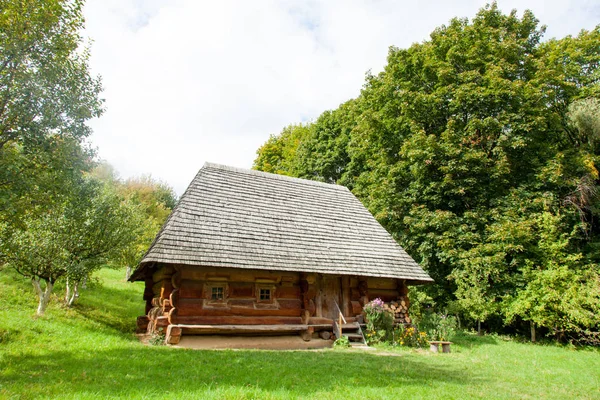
[[193, 81]]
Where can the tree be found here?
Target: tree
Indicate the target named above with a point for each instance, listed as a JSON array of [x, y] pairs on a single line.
[[151, 202], [72, 239], [278, 154], [467, 148], [47, 95]]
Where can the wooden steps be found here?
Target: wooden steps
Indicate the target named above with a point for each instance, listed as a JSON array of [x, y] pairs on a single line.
[[354, 334]]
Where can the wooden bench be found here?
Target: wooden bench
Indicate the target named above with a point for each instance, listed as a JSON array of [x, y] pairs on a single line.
[[174, 332], [434, 346]]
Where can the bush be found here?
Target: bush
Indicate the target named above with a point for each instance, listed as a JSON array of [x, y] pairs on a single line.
[[157, 338], [410, 336], [342, 342], [438, 326], [380, 322]]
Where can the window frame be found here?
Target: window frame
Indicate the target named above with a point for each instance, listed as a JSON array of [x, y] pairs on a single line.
[[261, 287], [208, 292]]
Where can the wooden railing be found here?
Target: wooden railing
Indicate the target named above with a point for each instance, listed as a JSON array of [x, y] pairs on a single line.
[[338, 321]]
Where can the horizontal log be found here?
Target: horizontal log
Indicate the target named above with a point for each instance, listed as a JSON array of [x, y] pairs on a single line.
[[240, 329], [242, 290], [354, 294], [237, 320], [173, 334], [383, 294], [356, 308], [237, 311], [381, 283], [190, 292], [162, 273], [161, 322], [236, 274], [192, 307], [319, 321], [194, 289], [288, 292]]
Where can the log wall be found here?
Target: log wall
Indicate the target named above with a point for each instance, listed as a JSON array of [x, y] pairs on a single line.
[[180, 294]]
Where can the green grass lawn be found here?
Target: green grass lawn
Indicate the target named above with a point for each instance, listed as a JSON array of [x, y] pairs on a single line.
[[90, 352]]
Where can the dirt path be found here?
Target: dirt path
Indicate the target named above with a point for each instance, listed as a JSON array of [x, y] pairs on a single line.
[[252, 342]]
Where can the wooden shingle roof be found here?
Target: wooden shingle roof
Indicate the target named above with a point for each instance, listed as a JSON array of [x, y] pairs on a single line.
[[237, 218]]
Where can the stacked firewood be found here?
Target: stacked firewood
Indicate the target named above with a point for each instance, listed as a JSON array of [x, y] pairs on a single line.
[[399, 309]]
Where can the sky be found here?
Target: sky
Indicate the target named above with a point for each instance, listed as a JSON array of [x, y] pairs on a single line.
[[190, 81]]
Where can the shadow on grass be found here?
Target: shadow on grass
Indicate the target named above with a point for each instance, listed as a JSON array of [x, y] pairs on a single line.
[[132, 371], [116, 309]]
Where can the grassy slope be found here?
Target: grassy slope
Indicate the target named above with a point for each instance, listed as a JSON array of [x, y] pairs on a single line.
[[90, 352]]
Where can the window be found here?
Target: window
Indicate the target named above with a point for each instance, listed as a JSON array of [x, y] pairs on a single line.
[[264, 295], [217, 293]]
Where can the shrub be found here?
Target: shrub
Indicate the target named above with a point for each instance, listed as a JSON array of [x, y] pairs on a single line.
[[157, 338], [410, 336], [380, 321], [342, 342], [438, 326]]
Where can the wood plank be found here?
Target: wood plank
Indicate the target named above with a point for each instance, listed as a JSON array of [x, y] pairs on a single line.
[[283, 307], [345, 305], [381, 283], [237, 275], [288, 292], [162, 273], [241, 290], [238, 320], [239, 329], [356, 308], [194, 289], [331, 292], [319, 321], [383, 294]]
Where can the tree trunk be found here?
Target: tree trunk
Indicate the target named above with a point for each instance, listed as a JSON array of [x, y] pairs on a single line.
[[72, 295], [75, 295], [478, 328], [532, 331], [67, 291], [43, 294]]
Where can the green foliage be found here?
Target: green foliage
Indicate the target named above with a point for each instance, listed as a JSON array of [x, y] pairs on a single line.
[[72, 239], [157, 338], [342, 342], [410, 336], [151, 202], [277, 154], [440, 327], [380, 322], [47, 95], [478, 150]]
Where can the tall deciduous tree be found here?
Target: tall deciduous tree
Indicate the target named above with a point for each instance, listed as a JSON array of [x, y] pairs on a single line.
[[477, 149], [47, 95]]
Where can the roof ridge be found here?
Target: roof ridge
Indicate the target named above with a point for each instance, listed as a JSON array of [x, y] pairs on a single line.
[[272, 175]]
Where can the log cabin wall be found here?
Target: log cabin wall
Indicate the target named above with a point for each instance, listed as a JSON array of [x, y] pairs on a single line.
[[194, 295]]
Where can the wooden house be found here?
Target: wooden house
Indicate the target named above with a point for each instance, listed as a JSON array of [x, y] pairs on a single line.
[[248, 252]]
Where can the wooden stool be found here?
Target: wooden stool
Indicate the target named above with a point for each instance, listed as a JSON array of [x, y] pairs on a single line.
[[434, 346]]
